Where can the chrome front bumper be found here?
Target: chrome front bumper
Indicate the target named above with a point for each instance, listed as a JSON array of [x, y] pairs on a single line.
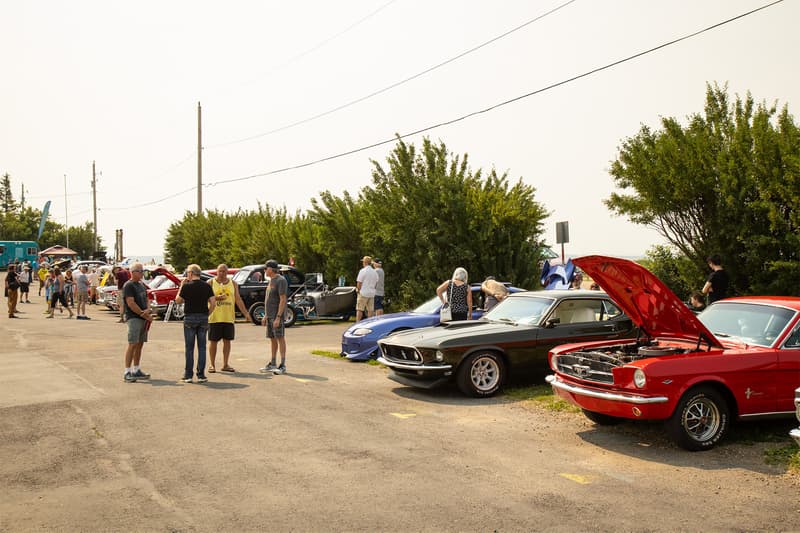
[[411, 367], [609, 396]]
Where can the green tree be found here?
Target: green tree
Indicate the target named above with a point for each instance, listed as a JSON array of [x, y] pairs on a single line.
[[725, 183], [430, 211], [7, 203]]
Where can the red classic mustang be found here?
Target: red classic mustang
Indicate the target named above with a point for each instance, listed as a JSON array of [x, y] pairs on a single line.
[[739, 359]]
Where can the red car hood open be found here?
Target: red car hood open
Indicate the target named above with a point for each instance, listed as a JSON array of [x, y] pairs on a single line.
[[645, 298]]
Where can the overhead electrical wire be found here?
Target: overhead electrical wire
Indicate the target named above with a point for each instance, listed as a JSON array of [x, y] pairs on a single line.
[[474, 113], [395, 84]]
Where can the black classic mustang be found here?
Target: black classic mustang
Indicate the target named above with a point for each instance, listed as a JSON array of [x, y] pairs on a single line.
[[513, 338]]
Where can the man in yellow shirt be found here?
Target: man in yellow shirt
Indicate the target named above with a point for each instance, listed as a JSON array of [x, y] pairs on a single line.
[[221, 320], [42, 274]]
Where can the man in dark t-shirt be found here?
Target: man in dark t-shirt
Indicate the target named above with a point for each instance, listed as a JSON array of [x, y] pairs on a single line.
[[198, 301], [716, 286], [137, 311], [275, 307]]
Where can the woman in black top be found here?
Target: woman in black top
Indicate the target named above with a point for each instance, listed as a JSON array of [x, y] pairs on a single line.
[[457, 292]]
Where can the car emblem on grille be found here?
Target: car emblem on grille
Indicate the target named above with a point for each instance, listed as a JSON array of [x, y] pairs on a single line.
[[581, 370]]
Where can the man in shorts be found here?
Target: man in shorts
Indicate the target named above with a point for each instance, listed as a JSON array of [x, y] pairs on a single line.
[[380, 290], [366, 282], [82, 292], [275, 307], [221, 320], [137, 313]]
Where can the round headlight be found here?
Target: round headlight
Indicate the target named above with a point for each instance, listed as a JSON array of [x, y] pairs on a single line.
[[639, 378], [360, 332], [439, 356]]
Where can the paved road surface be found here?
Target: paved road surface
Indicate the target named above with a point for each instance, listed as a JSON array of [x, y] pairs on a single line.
[[330, 446]]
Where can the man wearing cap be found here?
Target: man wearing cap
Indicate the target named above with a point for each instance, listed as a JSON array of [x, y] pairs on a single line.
[[366, 282], [12, 286], [25, 284], [275, 307], [377, 264]]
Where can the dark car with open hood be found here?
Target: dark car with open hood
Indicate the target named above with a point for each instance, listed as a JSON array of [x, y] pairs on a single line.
[[737, 360], [511, 340]]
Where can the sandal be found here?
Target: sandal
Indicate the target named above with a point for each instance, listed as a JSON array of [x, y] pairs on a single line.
[[212, 370], [228, 369]]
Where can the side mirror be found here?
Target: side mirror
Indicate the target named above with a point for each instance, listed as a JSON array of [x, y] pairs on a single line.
[[551, 322]]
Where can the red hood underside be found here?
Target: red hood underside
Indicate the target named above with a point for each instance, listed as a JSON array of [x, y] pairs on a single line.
[[645, 298]]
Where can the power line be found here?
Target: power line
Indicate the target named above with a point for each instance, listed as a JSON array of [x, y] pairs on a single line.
[[474, 113], [393, 85]]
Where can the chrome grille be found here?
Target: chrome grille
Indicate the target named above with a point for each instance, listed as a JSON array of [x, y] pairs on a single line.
[[401, 354], [586, 366]]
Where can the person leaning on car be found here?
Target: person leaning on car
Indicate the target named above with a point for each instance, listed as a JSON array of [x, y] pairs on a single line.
[[494, 291]]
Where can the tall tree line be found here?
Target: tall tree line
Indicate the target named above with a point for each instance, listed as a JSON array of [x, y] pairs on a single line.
[[425, 213]]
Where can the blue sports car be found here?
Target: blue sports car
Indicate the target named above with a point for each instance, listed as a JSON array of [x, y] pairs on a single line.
[[360, 341]]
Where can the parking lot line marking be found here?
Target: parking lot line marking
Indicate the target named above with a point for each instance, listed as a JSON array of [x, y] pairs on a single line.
[[403, 416], [576, 478]]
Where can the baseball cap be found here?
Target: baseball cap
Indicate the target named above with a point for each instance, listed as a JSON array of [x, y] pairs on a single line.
[[272, 264], [376, 260]]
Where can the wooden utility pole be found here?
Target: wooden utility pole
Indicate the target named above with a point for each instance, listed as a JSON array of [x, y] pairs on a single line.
[[94, 209], [199, 161]]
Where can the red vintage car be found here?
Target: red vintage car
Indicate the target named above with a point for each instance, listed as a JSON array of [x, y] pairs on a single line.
[[738, 360]]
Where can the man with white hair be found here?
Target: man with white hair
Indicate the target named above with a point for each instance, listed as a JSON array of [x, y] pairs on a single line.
[[366, 282], [138, 318]]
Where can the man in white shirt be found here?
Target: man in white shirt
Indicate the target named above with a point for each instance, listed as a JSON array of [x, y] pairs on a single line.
[[366, 282]]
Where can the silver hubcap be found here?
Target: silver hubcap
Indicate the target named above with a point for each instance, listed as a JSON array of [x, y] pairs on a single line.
[[484, 373], [701, 419]]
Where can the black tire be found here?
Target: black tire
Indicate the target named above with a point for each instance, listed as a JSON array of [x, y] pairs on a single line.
[[481, 375], [600, 419], [700, 420], [290, 316], [256, 313]]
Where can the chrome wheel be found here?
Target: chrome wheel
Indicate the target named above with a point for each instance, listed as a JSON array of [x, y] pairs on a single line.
[[485, 374], [481, 374], [701, 419]]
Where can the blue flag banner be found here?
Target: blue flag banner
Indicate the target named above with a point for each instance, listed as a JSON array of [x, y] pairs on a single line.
[[44, 218]]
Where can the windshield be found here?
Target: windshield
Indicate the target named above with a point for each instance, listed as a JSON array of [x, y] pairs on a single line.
[[752, 323], [431, 306], [241, 276], [520, 310]]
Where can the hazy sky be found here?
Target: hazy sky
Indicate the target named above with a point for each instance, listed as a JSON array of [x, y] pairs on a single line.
[[119, 83]]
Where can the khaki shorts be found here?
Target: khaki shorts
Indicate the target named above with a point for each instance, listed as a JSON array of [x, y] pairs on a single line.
[[365, 303], [83, 297], [137, 330]]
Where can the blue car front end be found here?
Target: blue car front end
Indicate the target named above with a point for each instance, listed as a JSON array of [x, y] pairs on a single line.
[[360, 341]]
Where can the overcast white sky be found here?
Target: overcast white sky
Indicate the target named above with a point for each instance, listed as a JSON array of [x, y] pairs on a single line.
[[119, 82]]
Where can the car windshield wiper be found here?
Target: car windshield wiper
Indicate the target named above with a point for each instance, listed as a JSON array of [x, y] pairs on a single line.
[[721, 334]]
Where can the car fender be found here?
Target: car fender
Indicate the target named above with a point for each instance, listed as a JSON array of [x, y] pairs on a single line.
[[483, 348]]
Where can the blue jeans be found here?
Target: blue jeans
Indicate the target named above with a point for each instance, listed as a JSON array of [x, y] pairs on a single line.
[[195, 326]]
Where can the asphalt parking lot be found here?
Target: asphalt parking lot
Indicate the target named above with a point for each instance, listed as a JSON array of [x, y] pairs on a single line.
[[330, 446]]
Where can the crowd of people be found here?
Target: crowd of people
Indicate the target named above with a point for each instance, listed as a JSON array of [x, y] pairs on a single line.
[[209, 306]]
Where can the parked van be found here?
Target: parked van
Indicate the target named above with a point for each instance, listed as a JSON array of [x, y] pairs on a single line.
[[10, 251]]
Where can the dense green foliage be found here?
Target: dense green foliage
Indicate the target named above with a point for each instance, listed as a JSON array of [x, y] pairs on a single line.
[[426, 213], [19, 222], [728, 182]]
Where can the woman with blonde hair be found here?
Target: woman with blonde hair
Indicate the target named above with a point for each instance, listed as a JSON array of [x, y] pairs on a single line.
[[457, 292]]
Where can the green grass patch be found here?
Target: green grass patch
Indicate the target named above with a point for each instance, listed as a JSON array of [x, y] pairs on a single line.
[[541, 395], [326, 353], [787, 456], [336, 355]]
